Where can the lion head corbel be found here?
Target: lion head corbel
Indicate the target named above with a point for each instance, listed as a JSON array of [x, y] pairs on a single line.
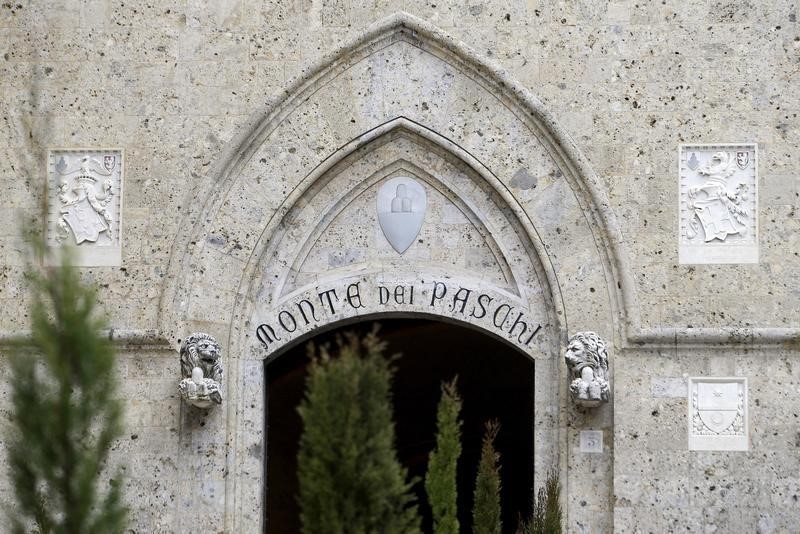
[[201, 370], [587, 360]]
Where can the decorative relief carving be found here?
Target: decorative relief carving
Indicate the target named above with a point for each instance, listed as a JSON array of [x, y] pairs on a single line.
[[718, 414], [401, 209], [85, 204], [587, 360], [718, 204], [201, 370], [84, 201]]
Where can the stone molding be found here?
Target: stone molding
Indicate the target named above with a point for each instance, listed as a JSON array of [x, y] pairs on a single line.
[[279, 255], [122, 339], [401, 25], [481, 307], [710, 338]]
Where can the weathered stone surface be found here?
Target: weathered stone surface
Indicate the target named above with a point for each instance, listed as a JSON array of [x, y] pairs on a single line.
[[256, 135]]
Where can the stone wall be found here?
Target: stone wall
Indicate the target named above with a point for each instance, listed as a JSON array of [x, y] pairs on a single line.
[[174, 83], [660, 486]]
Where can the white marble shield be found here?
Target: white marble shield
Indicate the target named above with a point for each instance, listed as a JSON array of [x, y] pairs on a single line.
[[718, 420], [84, 220], [401, 210], [717, 404]]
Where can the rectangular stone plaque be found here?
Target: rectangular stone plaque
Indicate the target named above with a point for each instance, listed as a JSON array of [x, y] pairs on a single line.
[[85, 204], [661, 386], [592, 441], [718, 203], [718, 414]]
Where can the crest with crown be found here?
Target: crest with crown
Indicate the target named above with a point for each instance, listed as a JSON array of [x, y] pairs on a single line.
[[83, 210], [720, 209]]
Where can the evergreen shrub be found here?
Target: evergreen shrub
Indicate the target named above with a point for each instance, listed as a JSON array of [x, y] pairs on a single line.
[[349, 476], [486, 517], [440, 481], [65, 414]]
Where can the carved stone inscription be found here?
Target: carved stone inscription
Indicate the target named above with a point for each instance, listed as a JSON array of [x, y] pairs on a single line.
[[718, 204], [718, 414], [484, 308], [85, 204]]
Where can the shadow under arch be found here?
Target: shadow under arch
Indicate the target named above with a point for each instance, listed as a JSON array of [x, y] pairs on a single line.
[[495, 382]]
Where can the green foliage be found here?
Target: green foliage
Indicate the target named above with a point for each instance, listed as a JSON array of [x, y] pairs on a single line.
[[486, 506], [440, 481], [350, 479], [546, 516], [552, 505], [65, 414]]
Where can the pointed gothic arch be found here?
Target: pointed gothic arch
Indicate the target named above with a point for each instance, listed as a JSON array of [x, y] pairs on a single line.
[[405, 77], [214, 188]]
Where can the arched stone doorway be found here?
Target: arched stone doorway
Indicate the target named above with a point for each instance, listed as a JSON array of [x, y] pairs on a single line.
[[496, 381], [473, 263], [518, 242]]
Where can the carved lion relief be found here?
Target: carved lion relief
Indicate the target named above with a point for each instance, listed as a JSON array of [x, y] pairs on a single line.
[[201, 370], [587, 360]]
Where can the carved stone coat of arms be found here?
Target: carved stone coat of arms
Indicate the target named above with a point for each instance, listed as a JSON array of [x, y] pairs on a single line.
[[85, 203], [718, 413], [718, 205]]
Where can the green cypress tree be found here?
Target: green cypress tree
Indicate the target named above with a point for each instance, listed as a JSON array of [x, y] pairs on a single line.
[[547, 515], [440, 481], [65, 414], [486, 506], [350, 478], [551, 522]]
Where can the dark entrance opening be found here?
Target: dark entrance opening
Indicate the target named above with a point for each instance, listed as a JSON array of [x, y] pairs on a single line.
[[495, 382]]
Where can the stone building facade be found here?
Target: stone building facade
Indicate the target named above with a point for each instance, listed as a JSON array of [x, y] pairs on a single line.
[[539, 144]]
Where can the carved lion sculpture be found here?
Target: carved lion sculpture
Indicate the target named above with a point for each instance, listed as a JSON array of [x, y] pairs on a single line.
[[201, 370], [587, 359]]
